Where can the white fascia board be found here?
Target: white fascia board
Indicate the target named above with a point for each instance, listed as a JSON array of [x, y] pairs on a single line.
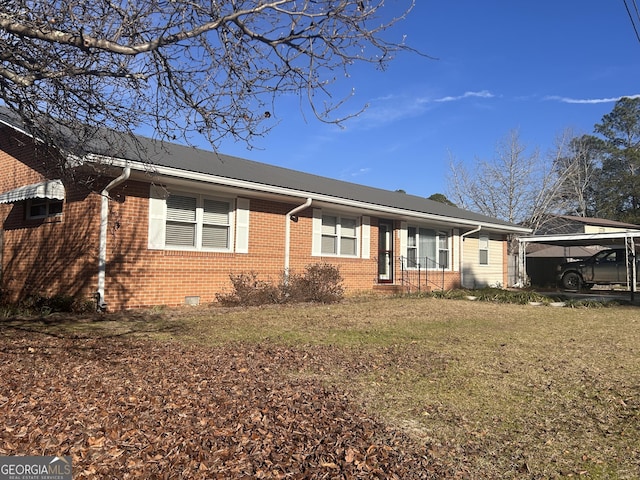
[[316, 197], [579, 237]]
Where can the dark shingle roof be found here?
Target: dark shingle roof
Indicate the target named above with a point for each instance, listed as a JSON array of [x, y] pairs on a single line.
[[209, 163], [205, 162], [598, 222]]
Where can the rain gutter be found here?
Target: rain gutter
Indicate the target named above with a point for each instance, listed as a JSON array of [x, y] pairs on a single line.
[[462, 237], [104, 223], [291, 217]]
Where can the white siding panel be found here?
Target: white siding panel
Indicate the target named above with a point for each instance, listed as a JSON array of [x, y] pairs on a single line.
[[476, 275]]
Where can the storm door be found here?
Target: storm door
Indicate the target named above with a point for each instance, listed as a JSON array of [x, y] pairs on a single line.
[[385, 251]]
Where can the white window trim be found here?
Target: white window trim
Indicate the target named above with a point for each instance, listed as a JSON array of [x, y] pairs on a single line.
[[448, 235], [488, 250], [200, 198], [405, 245], [362, 234], [238, 221]]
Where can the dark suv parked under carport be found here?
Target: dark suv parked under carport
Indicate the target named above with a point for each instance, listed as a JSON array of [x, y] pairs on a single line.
[[607, 267]]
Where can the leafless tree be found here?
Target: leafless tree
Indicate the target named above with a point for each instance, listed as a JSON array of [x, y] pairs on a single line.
[[504, 187], [181, 67], [526, 187], [575, 166]]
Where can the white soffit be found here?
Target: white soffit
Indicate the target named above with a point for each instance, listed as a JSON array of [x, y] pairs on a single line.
[[582, 239], [52, 189]]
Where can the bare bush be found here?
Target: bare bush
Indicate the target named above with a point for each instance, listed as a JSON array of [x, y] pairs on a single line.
[[320, 283], [249, 291]]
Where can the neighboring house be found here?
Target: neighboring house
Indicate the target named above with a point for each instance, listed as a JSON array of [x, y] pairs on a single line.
[[543, 260], [565, 224], [166, 224]]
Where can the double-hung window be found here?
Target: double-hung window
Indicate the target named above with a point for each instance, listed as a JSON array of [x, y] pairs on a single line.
[[483, 248], [443, 250], [427, 248], [339, 236], [180, 220], [198, 222], [215, 223], [412, 247]]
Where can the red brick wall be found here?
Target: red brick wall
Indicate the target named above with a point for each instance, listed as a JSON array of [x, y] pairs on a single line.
[[137, 276], [44, 256], [61, 255]]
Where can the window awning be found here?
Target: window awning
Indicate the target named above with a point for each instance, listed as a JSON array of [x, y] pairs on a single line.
[[52, 189]]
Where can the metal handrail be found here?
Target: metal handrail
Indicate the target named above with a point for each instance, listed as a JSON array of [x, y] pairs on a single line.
[[420, 268]]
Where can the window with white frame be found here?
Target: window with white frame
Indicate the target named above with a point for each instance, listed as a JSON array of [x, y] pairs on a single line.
[[443, 250], [427, 248], [43, 208], [412, 247], [180, 220], [198, 222], [339, 236], [483, 248]]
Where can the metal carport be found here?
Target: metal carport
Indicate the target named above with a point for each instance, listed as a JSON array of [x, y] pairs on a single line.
[[586, 239]]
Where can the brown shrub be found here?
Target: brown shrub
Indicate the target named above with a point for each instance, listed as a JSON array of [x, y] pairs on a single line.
[[320, 283]]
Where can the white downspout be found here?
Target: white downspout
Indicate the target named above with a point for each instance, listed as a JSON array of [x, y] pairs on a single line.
[[470, 232], [287, 234], [104, 223]]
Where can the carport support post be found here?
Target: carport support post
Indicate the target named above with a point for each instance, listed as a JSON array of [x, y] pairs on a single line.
[[522, 263], [630, 245]]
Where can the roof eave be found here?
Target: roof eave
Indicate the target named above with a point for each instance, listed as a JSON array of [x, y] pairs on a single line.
[[177, 173]]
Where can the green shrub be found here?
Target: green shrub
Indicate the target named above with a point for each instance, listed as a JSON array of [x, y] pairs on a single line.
[[456, 294], [523, 297]]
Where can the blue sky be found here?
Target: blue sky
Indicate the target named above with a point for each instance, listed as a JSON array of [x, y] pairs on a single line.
[[538, 67]]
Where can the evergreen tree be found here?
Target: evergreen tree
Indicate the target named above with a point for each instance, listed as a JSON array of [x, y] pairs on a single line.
[[616, 192]]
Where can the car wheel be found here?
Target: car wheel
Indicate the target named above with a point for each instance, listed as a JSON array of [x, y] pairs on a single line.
[[571, 281]]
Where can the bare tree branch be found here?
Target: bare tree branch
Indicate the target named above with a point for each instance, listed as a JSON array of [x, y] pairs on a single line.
[[212, 67], [527, 188]]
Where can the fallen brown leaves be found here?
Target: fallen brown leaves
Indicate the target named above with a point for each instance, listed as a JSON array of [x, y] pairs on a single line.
[[125, 408]]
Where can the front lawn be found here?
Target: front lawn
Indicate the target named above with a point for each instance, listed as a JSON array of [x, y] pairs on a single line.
[[394, 387]]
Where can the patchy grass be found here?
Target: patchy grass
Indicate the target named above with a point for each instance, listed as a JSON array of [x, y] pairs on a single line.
[[492, 390]]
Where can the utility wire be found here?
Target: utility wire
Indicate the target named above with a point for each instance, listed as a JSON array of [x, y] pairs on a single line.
[[633, 23], [635, 7]]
